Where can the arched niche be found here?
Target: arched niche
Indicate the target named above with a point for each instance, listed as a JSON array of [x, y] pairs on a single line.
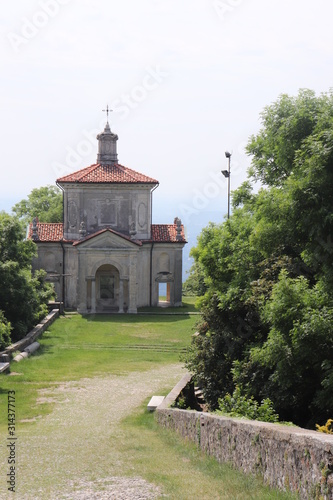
[[107, 288]]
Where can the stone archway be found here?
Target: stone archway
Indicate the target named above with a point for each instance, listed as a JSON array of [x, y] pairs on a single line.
[[107, 288]]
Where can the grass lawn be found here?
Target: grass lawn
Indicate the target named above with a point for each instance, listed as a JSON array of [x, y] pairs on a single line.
[[188, 306], [77, 348]]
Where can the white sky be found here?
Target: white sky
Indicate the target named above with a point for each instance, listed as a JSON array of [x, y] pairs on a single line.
[[217, 63]]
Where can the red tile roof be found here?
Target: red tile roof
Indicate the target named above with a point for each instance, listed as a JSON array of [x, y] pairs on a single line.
[[160, 233], [47, 231], [117, 174], [166, 233]]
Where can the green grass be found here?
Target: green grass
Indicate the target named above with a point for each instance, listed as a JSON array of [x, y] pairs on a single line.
[[87, 346], [78, 347], [183, 471], [187, 307]]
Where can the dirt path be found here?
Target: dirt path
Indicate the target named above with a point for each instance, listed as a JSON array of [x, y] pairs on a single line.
[[73, 453]]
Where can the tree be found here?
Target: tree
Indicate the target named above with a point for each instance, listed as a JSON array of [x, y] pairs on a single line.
[[286, 123], [297, 355], [5, 330], [23, 296], [13, 247], [230, 323], [44, 203], [195, 283], [268, 309]]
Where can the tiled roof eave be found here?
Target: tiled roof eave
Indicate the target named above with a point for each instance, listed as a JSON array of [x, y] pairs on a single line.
[[168, 242], [69, 242], [125, 183], [107, 174], [46, 232]]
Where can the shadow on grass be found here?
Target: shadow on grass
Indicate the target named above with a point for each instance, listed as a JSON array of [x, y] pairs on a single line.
[[134, 318], [184, 309], [44, 349]]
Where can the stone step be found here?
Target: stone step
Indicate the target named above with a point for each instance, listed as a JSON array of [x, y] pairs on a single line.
[[4, 367], [154, 402]]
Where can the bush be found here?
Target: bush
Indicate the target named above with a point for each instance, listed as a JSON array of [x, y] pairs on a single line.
[[241, 406], [5, 330], [327, 428], [23, 295]]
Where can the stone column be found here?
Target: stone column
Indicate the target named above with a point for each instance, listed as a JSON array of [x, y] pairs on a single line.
[[177, 288], [132, 284], [93, 295], [121, 296]]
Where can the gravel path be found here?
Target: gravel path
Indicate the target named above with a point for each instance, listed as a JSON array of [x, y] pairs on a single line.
[[72, 453]]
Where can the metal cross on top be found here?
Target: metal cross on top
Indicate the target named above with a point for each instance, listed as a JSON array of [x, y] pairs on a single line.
[[107, 111]]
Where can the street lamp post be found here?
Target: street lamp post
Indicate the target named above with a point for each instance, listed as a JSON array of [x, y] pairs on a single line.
[[226, 174]]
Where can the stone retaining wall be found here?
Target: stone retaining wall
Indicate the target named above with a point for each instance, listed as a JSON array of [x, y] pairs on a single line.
[[289, 458], [33, 334]]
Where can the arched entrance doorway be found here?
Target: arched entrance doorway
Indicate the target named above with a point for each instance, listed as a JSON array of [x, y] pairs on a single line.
[[107, 289]]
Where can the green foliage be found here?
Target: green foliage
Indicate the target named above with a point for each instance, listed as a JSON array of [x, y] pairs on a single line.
[[23, 296], [298, 347], [286, 123], [224, 333], [13, 247], [268, 309], [78, 347], [44, 203], [229, 321], [5, 330], [195, 283], [238, 405]]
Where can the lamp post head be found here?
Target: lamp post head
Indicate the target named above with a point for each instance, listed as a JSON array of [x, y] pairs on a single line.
[[225, 173], [227, 154]]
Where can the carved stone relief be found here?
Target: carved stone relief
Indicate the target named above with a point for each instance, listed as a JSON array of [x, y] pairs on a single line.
[[108, 212], [72, 213], [142, 215]]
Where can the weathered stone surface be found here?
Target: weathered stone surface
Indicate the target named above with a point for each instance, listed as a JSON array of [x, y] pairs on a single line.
[[288, 458], [4, 367], [174, 393], [20, 357], [154, 403], [32, 348], [33, 334], [107, 256]]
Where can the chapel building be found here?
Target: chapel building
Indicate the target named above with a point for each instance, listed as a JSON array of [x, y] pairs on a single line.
[[107, 256]]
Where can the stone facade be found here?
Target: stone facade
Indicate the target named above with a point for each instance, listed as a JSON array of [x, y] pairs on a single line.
[[106, 256]]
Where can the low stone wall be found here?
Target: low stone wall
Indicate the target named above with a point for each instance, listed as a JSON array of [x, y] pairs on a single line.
[[289, 458], [33, 334]]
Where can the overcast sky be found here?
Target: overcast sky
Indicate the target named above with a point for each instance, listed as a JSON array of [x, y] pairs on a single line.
[[187, 80]]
